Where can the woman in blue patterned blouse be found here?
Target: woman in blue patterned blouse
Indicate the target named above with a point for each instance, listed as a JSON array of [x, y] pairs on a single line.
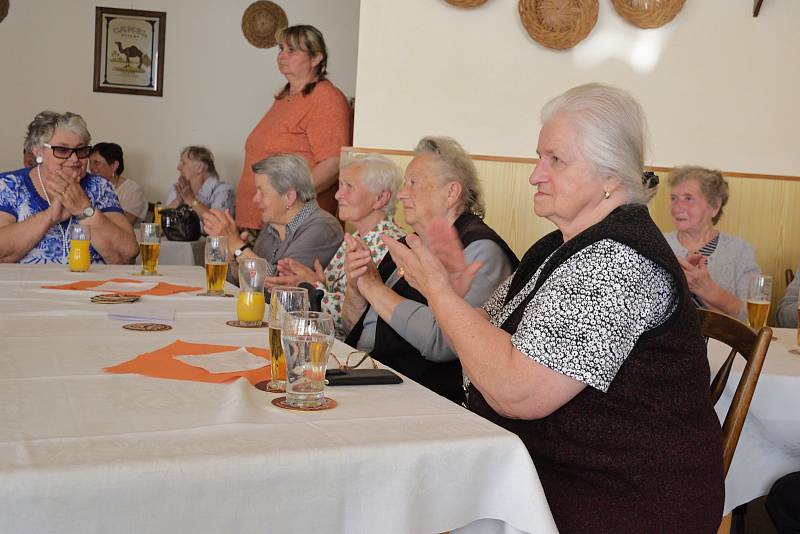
[[38, 205]]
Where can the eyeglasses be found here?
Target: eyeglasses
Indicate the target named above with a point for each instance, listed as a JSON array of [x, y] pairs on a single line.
[[355, 354], [65, 152]]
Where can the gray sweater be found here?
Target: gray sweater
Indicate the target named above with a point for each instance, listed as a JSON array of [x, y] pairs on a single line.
[[786, 313], [731, 265]]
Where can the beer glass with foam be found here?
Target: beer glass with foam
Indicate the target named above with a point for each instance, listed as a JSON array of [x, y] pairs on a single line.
[[79, 240], [250, 302], [759, 296], [216, 264], [149, 247], [282, 301]]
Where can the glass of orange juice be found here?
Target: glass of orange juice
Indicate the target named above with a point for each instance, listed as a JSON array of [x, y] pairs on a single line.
[[250, 302], [79, 240]]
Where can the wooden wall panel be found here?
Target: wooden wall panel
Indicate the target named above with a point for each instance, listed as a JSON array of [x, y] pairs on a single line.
[[763, 211]]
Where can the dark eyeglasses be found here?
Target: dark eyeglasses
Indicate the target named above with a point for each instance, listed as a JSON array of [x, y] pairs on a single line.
[[65, 152], [355, 355]]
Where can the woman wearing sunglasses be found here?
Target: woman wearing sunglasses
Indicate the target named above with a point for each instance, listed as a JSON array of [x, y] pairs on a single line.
[[38, 205]]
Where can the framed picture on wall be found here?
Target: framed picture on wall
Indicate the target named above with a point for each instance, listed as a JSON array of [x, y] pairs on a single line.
[[129, 51]]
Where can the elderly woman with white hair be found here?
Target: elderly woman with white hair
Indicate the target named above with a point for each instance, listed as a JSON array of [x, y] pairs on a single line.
[[198, 185], [39, 205], [591, 352], [294, 225], [391, 320], [367, 197]]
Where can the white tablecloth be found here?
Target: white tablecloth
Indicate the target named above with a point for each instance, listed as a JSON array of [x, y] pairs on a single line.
[[769, 446], [85, 451]]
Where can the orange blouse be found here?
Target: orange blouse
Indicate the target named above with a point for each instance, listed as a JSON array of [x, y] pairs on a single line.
[[315, 127]]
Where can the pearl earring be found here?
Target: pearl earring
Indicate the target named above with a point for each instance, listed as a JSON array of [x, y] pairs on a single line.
[[607, 195], [39, 160]]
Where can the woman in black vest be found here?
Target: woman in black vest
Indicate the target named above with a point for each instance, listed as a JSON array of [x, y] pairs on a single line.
[[592, 351], [388, 318]]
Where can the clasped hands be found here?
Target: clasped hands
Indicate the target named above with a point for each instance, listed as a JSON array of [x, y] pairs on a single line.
[[695, 268], [184, 190], [67, 197]]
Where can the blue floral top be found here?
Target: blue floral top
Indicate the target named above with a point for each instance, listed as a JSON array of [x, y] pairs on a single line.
[[18, 197]]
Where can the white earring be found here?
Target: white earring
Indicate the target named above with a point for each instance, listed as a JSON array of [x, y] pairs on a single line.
[[607, 195], [39, 160]]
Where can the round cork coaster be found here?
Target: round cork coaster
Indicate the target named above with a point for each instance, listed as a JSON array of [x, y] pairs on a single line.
[[328, 404], [113, 298], [147, 327], [240, 324]]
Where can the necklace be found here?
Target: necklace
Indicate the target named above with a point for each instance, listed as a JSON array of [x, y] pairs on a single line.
[[63, 233]]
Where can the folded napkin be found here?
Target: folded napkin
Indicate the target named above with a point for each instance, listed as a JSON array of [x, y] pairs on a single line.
[[225, 362], [136, 287], [139, 312], [166, 362]]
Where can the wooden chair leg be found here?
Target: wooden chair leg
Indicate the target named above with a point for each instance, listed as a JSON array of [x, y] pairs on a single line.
[[725, 526]]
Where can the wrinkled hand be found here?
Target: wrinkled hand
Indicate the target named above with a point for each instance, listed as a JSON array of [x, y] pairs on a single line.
[[695, 268], [361, 270], [296, 272], [57, 212], [217, 222], [184, 190], [427, 271], [66, 190]]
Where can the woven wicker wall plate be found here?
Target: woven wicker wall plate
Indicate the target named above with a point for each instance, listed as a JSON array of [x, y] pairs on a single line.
[[558, 24], [656, 14], [260, 22], [3, 9], [466, 3]]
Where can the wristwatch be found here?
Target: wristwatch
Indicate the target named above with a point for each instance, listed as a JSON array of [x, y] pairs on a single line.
[[86, 213], [238, 251]]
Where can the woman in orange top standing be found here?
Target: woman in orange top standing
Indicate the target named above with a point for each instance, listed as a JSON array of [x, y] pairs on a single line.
[[310, 117]]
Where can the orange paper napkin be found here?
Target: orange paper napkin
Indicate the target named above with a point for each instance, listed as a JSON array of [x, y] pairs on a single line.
[[161, 288], [161, 363]]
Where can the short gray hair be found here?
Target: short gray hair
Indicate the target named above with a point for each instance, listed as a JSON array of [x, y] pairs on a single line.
[[380, 174], [202, 155], [45, 124], [713, 186], [612, 132], [456, 166], [287, 171]]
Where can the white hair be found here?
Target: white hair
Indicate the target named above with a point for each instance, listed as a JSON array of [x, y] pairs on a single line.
[[379, 174]]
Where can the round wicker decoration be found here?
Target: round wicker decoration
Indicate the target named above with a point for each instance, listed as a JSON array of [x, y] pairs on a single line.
[[466, 3], [558, 24], [261, 21], [648, 13], [3, 9]]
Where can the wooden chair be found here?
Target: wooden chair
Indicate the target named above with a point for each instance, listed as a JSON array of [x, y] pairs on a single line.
[[753, 347], [789, 275]]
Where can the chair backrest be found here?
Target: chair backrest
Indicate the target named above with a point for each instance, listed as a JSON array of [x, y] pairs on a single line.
[[753, 347], [789, 275]]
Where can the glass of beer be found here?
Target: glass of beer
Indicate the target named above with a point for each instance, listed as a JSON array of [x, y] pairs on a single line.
[[759, 296], [149, 247], [79, 240], [282, 301], [216, 264], [307, 339], [250, 302]]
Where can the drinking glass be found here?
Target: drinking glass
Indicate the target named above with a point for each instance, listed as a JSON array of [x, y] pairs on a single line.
[[216, 264], [307, 339], [250, 302], [149, 247], [759, 296], [282, 301], [79, 240]]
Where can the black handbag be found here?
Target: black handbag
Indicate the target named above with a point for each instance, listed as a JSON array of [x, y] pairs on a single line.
[[180, 224]]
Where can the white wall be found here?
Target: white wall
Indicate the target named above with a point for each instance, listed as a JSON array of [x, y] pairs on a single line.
[[216, 85], [719, 87]]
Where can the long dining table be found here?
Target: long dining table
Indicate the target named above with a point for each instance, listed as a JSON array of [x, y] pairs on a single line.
[[85, 450], [769, 446]]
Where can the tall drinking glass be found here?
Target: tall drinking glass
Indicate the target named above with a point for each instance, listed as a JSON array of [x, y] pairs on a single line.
[[282, 301], [250, 302], [216, 264], [149, 247], [307, 339], [79, 239], [759, 296]]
